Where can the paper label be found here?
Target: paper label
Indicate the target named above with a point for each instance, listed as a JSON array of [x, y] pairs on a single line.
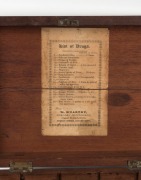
[[74, 81]]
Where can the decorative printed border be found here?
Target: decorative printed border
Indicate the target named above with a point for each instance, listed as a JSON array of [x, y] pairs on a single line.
[[50, 81]]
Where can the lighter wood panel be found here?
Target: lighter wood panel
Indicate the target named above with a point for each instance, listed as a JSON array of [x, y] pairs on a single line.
[[117, 176]]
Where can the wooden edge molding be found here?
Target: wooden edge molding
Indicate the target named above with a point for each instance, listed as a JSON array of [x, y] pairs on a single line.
[[52, 21]]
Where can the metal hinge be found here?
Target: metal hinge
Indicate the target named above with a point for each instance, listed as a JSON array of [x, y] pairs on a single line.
[[134, 165], [67, 22], [20, 167], [26, 167]]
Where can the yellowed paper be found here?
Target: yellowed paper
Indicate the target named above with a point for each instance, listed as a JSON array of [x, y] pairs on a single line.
[[74, 81]]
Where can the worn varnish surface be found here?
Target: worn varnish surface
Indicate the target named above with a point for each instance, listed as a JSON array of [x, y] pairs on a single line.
[[20, 106]]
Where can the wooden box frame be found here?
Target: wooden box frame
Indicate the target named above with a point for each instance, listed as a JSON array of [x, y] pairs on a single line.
[[20, 86]]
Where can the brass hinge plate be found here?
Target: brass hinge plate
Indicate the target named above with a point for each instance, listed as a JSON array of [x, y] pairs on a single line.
[[134, 165], [67, 22], [20, 167]]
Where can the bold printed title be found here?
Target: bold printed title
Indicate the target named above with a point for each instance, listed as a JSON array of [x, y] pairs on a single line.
[[74, 46]]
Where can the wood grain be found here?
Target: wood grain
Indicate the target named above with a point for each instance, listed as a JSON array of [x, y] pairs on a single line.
[[117, 176], [125, 55], [20, 57], [20, 125], [20, 100]]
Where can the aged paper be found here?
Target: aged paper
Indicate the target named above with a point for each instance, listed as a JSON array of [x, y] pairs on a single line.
[[74, 81]]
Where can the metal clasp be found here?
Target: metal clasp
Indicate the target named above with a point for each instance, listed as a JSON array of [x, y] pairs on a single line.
[[20, 167], [134, 165], [67, 22]]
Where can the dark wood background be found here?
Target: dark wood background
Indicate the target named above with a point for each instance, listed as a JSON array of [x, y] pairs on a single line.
[[20, 103]]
